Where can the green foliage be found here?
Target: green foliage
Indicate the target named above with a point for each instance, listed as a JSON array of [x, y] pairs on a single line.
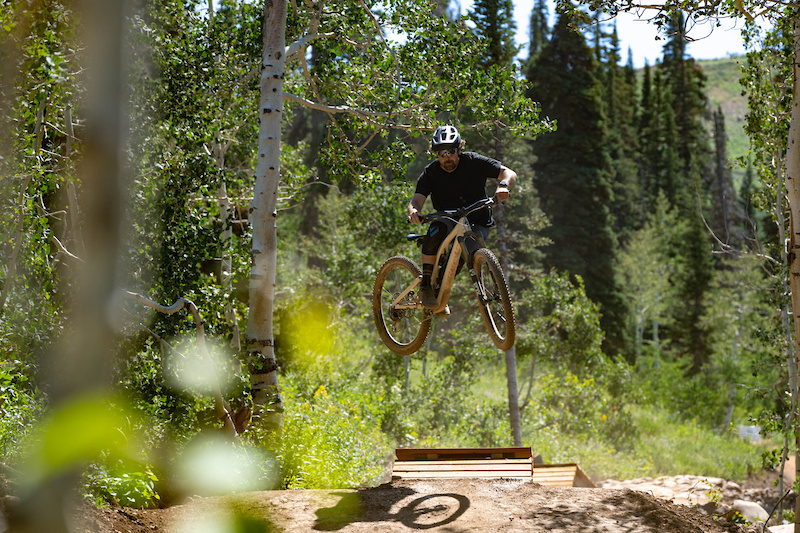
[[81, 430], [483, 423], [348, 400], [392, 83], [21, 404], [561, 325], [361, 231], [326, 443], [424, 411], [725, 90], [646, 275], [679, 447], [574, 170], [494, 20], [661, 446], [767, 81], [121, 484]]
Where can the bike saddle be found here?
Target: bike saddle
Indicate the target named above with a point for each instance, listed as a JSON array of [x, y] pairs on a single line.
[[414, 236]]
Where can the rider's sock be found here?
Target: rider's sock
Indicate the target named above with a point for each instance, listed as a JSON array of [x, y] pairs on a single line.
[[427, 271]]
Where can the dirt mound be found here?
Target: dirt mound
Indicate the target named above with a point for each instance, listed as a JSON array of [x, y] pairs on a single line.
[[452, 505]]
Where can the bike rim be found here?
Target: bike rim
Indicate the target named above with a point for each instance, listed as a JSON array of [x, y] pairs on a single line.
[[402, 325]]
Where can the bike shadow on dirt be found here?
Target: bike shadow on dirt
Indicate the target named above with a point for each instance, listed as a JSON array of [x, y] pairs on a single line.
[[385, 504]]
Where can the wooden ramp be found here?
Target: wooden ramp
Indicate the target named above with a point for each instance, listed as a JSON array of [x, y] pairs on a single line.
[[561, 475], [484, 463]]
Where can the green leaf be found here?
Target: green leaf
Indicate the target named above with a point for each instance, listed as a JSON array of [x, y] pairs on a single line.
[[80, 430]]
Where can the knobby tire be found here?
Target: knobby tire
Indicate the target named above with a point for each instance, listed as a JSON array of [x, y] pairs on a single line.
[[497, 311], [403, 331]]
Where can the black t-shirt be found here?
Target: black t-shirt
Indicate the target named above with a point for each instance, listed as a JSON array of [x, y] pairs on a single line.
[[462, 187]]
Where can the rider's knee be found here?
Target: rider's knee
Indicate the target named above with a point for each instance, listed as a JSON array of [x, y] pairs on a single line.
[[436, 234]]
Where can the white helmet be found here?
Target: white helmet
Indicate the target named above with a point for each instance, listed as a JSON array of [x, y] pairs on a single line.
[[445, 137]]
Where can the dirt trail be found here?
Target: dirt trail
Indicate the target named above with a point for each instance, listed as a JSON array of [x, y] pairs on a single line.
[[451, 506]]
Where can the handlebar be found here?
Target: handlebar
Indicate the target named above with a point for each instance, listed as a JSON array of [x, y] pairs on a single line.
[[458, 213]]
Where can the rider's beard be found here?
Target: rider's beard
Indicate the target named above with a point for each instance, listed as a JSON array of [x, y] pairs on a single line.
[[449, 165]]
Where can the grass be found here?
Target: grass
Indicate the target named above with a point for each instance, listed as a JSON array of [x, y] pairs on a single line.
[[663, 446], [676, 447]]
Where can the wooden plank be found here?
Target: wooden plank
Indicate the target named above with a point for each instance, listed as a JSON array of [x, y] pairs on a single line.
[[525, 471], [485, 463], [567, 467], [568, 475], [466, 468], [431, 464], [462, 474], [582, 480], [430, 454], [555, 483], [545, 475]]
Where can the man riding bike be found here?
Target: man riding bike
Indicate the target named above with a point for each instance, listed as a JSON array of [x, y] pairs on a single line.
[[455, 180]]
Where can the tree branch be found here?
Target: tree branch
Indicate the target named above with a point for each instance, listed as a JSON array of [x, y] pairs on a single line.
[[739, 6], [379, 30], [222, 407], [334, 109], [293, 49], [63, 249]]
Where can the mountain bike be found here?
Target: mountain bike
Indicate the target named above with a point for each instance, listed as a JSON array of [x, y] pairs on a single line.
[[402, 321]]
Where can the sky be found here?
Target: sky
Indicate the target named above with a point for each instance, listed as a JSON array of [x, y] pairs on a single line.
[[639, 36]]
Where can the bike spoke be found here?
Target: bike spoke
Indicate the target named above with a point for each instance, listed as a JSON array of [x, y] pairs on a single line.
[[402, 318]]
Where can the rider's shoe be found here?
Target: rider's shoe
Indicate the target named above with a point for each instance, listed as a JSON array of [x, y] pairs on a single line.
[[444, 312], [428, 297]]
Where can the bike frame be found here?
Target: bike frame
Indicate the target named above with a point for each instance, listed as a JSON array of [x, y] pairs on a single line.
[[457, 236]]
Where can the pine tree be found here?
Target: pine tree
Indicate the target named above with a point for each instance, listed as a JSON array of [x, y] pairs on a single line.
[[687, 85], [658, 164], [573, 173], [621, 109], [690, 103], [726, 216], [494, 20], [539, 31]]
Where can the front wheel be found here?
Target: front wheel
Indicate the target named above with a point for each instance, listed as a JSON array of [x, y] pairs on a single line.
[[402, 322], [495, 305]]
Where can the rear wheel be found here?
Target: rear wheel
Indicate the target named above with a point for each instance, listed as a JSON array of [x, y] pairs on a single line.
[[496, 309], [404, 325]]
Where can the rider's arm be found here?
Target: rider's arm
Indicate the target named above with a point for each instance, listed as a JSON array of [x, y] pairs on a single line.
[[415, 207], [505, 180]]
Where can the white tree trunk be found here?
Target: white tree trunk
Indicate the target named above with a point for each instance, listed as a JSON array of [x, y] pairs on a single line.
[[793, 195], [514, 417], [263, 212], [513, 396]]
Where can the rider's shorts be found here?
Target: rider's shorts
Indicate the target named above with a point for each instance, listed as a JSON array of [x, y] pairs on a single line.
[[440, 229]]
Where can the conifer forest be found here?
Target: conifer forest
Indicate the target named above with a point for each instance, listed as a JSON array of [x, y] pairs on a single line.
[[196, 198]]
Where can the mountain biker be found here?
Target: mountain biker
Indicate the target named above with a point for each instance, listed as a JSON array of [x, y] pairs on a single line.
[[455, 180]]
